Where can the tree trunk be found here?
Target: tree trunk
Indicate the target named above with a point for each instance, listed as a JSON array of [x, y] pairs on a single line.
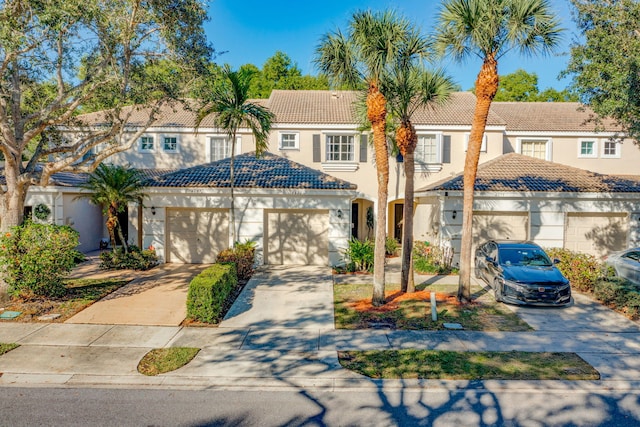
[[232, 185], [486, 89], [407, 228], [12, 201], [112, 222], [377, 112], [118, 227]]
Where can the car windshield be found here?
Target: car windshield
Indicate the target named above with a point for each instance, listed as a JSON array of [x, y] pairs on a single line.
[[523, 256]]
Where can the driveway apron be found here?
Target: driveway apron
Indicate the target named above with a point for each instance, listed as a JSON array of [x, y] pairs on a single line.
[[284, 297], [157, 297]]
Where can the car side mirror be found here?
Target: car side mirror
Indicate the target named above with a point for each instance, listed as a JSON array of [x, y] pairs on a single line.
[[556, 261]]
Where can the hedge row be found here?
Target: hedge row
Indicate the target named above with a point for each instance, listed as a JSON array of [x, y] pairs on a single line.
[[209, 291], [589, 275]]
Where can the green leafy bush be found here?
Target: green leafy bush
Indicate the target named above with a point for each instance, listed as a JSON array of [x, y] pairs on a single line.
[[243, 256], [391, 246], [35, 257], [618, 294], [134, 259], [209, 291], [359, 255], [582, 270], [432, 259]]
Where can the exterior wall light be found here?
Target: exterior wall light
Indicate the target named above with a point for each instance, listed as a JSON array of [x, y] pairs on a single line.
[[153, 210], [454, 214], [339, 213]]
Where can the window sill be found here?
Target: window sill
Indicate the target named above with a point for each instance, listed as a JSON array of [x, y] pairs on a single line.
[[428, 167], [340, 167]]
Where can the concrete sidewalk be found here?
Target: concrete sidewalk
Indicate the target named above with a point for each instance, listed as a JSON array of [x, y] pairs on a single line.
[[274, 350]]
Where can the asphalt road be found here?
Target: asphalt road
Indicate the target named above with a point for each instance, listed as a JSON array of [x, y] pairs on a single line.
[[439, 407]]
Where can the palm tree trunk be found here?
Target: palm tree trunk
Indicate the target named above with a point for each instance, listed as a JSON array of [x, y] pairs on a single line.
[[486, 89], [112, 222], [118, 227], [377, 112], [232, 185], [406, 281]]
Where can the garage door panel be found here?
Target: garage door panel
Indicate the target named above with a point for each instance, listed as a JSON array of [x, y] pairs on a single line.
[[197, 235], [297, 237], [596, 233], [499, 226]]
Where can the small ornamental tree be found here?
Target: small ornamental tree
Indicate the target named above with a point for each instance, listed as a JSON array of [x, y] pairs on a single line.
[[35, 257]]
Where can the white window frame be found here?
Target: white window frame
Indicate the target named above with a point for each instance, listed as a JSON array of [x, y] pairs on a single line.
[[549, 145], [483, 147], [209, 153], [617, 154], [422, 166], [296, 142], [593, 155], [164, 140], [339, 165], [147, 150], [352, 151]]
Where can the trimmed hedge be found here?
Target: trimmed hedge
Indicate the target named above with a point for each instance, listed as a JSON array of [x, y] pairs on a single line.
[[209, 291], [619, 294]]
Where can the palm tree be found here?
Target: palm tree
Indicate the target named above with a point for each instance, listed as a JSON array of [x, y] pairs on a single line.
[[114, 187], [412, 87], [360, 59], [489, 29], [229, 101]]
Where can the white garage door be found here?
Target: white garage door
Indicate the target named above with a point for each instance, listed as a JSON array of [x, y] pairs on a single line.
[[196, 236], [500, 226], [296, 237], [596, 233]]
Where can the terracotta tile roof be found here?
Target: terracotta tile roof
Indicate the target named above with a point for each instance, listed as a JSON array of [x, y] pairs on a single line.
[[70, 179], [549, 116], [313, 106], [516, 172], [457, 111], [268, 171]]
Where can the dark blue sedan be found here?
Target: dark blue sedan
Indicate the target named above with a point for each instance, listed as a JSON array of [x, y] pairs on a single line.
[[521, 273]]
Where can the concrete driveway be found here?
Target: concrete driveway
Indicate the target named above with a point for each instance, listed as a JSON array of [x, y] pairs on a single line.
[[156, 297]]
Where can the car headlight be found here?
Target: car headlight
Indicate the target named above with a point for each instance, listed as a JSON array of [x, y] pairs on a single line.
[[515, 286]]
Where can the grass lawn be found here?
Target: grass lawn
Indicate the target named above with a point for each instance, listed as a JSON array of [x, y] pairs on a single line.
[[353, 309], [81, 293], [451, 365], [162, 360], [4, 347]]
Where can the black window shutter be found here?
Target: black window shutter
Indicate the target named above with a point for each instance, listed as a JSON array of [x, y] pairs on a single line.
[[316, 149], [363, 148], [446, 148]]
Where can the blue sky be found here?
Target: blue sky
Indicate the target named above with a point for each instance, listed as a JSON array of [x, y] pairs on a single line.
[[251, 31]]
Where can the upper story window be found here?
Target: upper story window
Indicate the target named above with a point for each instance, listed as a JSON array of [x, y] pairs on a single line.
[[146, 143], [611, 149], [220, 148], [289, 141], [428, 149], [540, 148], [170, 144], [588, 148], [340, 148], [483, 147]]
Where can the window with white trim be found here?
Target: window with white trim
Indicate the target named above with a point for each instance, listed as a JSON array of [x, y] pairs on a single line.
[[340, 148], [220, 148], [289, 141], [170, 144], [588, 148], [146, 143], [610, 149], [483, 147], [539, 148], [428, 149]]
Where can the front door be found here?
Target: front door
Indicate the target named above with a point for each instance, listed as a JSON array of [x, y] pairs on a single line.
[[398, 216], [354, 220]]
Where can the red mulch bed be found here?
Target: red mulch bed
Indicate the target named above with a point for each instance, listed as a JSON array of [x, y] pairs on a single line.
[[394, 298]]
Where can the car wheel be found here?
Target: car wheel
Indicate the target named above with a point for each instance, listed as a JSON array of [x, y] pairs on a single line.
[[497, 291]]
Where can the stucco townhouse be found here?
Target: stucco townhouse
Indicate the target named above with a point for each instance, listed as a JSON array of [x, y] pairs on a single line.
[[548, 173]]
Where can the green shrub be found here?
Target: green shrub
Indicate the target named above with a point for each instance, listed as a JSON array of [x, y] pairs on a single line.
[[35, 257], [243, 256], [391, 246], [582, 270], [209, 291], [135, 259], [618, 294], [359, 255], [432, 259]]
